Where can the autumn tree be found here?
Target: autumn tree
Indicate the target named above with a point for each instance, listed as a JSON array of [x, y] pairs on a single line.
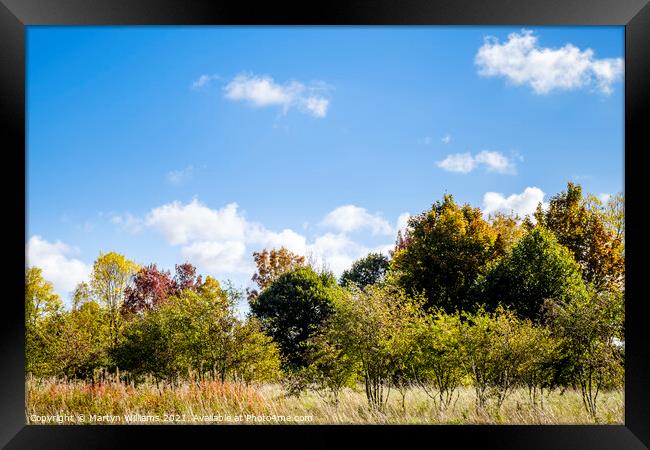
[[40, 299], [367, 270], [584, 231], [270, 265], [150, 287], [445, 249], [509, 230], [293, 307], [109, 279], [42, 308], [186, 277]]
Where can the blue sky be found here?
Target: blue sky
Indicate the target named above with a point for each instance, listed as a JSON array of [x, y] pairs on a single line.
[[205, 144]]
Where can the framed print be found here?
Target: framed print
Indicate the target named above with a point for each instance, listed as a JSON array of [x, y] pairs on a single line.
[[378, 219]]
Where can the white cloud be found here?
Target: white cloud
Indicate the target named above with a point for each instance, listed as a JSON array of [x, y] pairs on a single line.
[[262, 91], [217, 240], [466, 162], [521, 60], [446, 139], [350, 218], [194, 221], [204, 80], [521, 204], [179, 176], [58, 268]]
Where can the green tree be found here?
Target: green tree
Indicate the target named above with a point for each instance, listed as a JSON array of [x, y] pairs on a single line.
[[537, 269], [445, 249], [293, 308], [110, 276], [368, 270]]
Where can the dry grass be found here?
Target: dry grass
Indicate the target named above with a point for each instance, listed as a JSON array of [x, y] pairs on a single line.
[[73, 402]]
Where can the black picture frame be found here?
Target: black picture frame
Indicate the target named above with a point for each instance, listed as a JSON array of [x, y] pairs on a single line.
[[15, 15]]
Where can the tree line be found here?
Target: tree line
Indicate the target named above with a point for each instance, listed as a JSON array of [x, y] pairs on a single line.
[[496, 304]]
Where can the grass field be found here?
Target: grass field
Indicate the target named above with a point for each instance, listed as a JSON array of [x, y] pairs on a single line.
[[72, 402]]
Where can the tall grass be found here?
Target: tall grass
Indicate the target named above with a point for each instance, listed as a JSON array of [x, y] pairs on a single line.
[[209, 402]]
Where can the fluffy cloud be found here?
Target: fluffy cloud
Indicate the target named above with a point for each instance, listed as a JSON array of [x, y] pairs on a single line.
[[350, 218], [194, 221], [220, 241], [58, 268], [262, 91], [521, 60], [521, 204], [466, 162]]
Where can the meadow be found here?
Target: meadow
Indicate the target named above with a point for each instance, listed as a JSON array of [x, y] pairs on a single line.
[[215, 402]]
